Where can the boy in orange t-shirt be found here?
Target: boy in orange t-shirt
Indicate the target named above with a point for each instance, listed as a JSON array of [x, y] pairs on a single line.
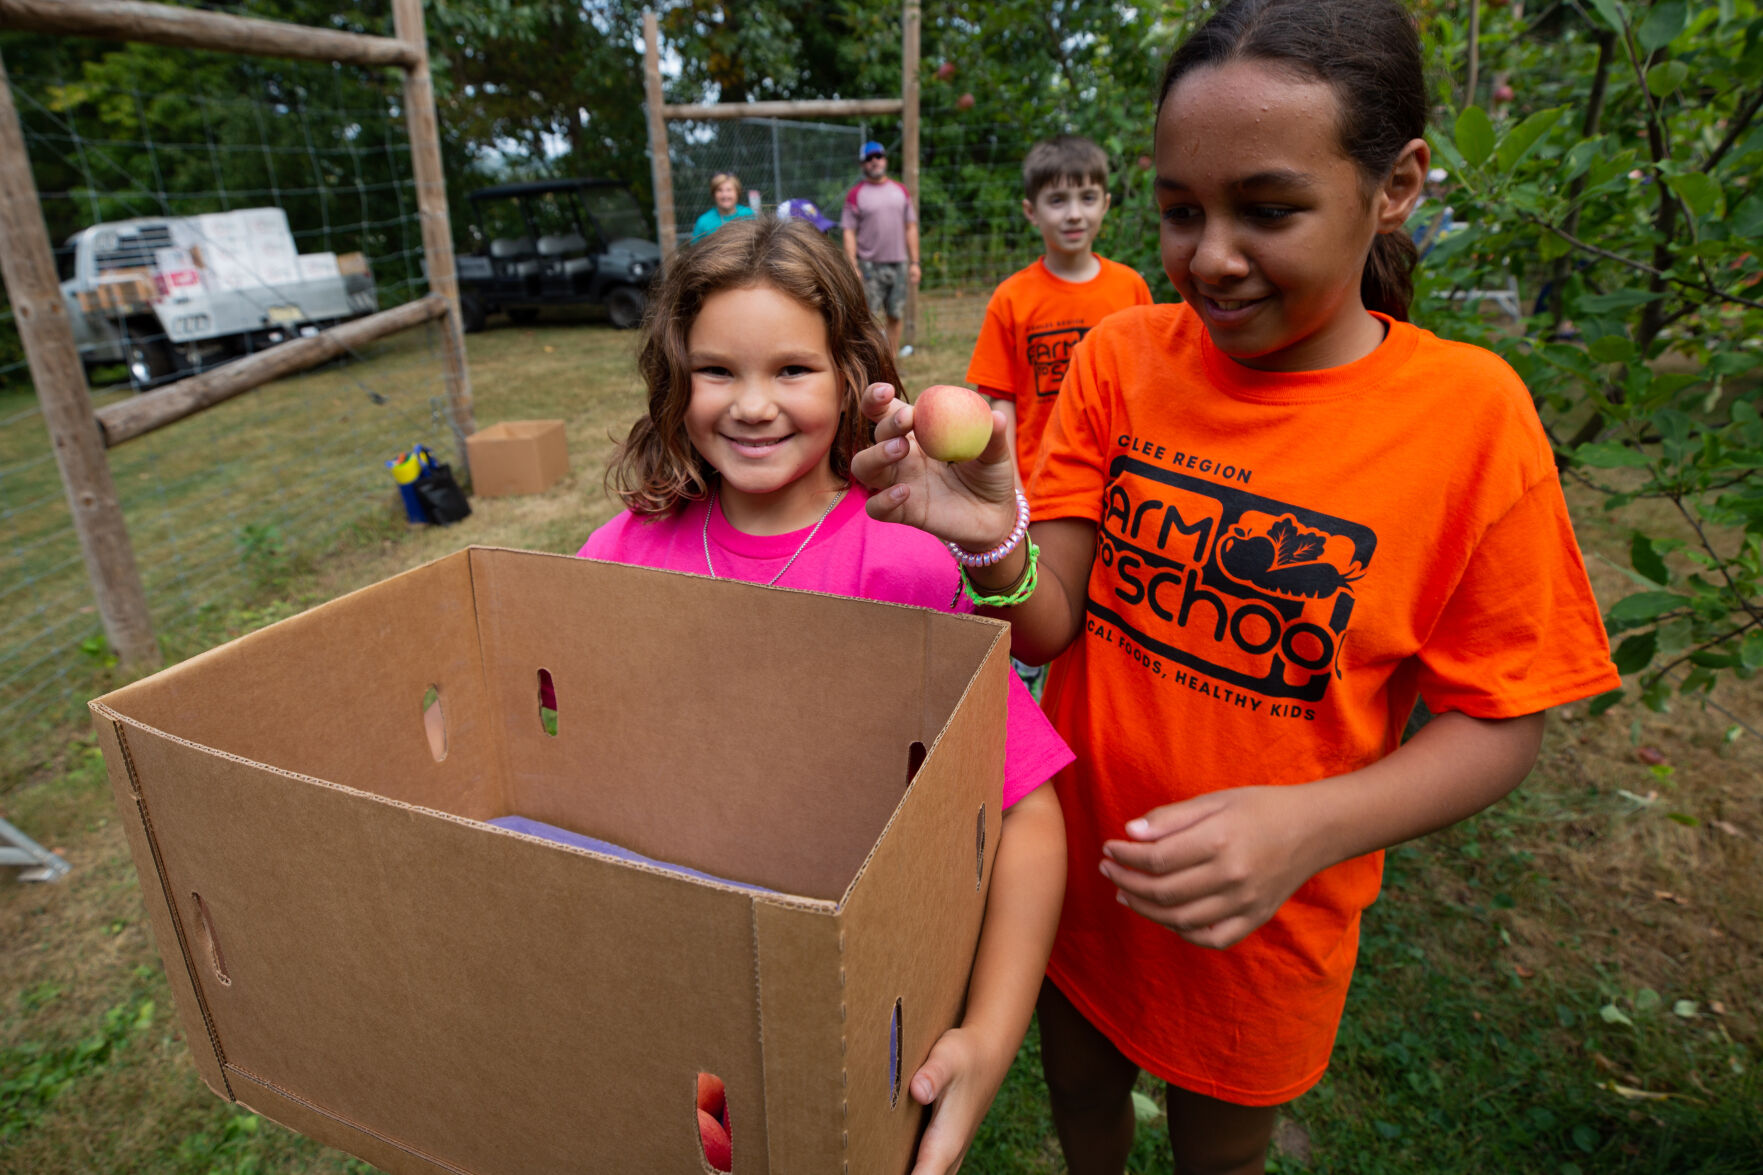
[[1038, 314]]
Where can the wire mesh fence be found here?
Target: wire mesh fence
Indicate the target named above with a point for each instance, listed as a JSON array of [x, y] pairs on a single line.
[[775, 159], [223, 506], [972, 228]]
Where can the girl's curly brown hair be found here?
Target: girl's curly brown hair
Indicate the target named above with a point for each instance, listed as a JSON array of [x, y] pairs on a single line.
[[656, 468]]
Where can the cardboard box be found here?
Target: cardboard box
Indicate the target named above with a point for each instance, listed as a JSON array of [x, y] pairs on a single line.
[[357, 956], [517, 457]]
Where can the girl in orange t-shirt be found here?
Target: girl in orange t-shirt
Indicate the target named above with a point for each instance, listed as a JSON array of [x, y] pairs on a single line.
[[1265, 521]]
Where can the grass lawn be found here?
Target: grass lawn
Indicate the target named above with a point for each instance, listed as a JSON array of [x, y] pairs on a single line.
[[1566, 984]]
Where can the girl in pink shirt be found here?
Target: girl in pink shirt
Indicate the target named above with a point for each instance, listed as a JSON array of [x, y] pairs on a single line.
[[758, 346]]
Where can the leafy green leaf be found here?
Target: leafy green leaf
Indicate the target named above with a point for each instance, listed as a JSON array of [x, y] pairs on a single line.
[[1646, 1000], [1683, 818], [1699, 191], [1523, 138], [1445, 149], [1615, 16], [1643, 606], [1611, 349], [1751, 650], [1474, 135], [1665, 77], [1614, 1015], [1144, 1109], [1610, 455], [1618, 300], [1684, 1009], [1661, 26], [1603, 702], [1636, 653]]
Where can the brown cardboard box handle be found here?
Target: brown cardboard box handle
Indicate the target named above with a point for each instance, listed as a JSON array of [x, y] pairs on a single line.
[[210, 942]]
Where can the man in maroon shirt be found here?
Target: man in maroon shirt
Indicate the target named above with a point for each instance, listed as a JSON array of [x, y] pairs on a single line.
[[881, 239]]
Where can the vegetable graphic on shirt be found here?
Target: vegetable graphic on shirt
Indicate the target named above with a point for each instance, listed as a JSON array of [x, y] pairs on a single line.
[[1286, 561]]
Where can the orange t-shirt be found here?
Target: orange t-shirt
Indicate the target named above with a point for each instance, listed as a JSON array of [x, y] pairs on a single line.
[[1032, 322], [1283, 562]]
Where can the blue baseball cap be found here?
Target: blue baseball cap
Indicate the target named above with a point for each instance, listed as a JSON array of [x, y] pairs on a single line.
[[872, 148], [804, 210]]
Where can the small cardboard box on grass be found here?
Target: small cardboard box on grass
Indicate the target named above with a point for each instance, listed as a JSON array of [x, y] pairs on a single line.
[[356, 954], [517, 457]]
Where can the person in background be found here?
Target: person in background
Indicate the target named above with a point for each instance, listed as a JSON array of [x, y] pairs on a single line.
[[881, 239], [1038, 314], [806, 210], [725, 191]]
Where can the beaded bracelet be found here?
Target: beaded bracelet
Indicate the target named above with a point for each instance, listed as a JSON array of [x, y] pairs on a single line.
[[968, 559], [1016, 593]]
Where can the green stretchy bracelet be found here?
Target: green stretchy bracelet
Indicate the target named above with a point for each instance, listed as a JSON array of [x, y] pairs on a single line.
[[1019, 591]]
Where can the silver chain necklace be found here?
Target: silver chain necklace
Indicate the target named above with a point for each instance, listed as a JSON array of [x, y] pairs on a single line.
[[715, 497]]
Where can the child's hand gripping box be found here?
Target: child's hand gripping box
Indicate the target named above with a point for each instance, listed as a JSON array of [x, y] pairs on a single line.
[[357, 955], [517, 457]]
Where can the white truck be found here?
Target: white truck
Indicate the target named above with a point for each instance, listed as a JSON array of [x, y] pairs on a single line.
[[173, 295]]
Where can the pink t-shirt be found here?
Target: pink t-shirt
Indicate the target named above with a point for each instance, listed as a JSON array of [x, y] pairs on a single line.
[[852, 555], [878, 212]]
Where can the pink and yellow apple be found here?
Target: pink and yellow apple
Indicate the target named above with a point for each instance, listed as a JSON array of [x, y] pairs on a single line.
[[952, 423]]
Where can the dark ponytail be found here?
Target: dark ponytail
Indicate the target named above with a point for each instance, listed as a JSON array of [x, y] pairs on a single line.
[[1369, 51], [1388, 283]]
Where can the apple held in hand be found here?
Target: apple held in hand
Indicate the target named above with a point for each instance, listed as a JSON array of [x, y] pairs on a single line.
[[952, 423]]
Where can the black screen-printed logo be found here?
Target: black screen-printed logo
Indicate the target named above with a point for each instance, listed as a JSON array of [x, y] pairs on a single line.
[[1252, 592], [1049, 354]]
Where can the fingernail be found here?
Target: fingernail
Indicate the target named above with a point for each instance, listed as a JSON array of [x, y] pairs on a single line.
[[1120, 897], [1138, 827], [898, 493], [1105, 872], [1108, 851], [896, 448]]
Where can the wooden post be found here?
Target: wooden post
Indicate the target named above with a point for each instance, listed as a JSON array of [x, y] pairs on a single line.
[[431, 207], [194, 28], [139, 415], [28, 264], [795, 108], [660, 166], [911, 20]]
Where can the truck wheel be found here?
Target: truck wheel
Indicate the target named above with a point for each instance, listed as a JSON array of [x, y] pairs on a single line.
[[624, 306], [523, 315], [150, 362], [472, 313]]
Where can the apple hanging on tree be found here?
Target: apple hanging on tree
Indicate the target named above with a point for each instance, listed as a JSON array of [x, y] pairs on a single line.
[[965, 102], [945, 71]]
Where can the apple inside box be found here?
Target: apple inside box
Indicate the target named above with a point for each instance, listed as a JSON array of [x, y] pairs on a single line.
[[358, 954]]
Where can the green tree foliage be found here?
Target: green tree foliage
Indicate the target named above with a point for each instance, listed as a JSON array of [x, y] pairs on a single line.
[[543, 87], [1035, 69], [126, 130], [1615, 179]]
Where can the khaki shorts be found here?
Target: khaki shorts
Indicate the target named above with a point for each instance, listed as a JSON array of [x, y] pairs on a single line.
[[885, 283]]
